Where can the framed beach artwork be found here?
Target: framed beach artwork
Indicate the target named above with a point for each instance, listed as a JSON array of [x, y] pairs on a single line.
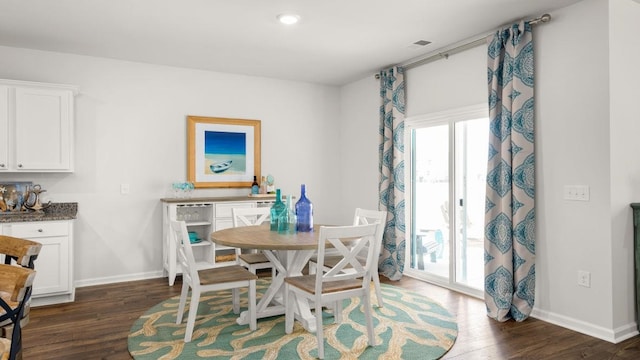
[[222, 152]]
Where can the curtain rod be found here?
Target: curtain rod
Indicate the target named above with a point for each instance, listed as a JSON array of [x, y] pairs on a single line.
[[468, 45]]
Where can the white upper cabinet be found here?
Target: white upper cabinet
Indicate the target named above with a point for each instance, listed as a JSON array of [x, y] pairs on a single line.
[[4, 126], [38, 121]]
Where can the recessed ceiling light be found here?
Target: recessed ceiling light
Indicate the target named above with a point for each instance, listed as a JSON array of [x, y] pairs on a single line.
[[288, 19]]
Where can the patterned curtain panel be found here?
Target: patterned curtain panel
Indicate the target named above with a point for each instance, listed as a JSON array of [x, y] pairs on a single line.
[[510, 205], [391, 186]]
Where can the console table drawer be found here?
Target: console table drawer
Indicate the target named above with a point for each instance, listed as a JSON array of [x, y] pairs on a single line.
[[224, 210]]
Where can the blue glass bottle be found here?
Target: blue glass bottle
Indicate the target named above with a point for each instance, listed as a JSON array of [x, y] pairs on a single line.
[[304, 212], [277, 209]]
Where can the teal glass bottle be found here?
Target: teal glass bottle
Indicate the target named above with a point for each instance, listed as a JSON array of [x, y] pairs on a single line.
[[304, 212], [277, 209], [287, 221], [292, 218]]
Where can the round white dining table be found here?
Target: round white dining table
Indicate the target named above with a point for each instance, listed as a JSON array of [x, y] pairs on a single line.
[[289, 253]]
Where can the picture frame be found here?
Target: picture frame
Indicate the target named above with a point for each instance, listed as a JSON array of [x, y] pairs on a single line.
[[222, 152]]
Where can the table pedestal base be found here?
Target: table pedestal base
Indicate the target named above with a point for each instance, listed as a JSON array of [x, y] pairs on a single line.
[[272, 303]]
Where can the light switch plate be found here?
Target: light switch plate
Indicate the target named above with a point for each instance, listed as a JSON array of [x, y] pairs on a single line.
[[576, 192]]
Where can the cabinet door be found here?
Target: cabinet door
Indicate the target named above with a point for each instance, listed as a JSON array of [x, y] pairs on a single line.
[[52, 266], [43, 124], [4, 128]]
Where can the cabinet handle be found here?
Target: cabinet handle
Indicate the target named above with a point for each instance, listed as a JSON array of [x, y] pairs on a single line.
[[1, 165], [40, 230], [19, 165]]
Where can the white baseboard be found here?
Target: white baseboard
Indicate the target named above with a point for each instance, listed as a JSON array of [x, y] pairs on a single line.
[[52, 299], [119, 279], [611, 335]]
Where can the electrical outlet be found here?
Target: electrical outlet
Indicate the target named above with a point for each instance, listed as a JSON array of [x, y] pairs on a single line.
[[584, 278], [124, 189]]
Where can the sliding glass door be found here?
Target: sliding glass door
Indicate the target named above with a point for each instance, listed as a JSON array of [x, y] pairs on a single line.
[[448, 172]]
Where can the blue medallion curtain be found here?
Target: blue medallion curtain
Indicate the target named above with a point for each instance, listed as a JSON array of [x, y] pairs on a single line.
[[510, 206], [391, 165]]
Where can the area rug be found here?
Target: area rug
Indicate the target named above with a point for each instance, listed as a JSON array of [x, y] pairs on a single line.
[[409, 326]]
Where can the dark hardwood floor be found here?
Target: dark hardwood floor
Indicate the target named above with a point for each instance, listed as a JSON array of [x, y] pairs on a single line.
[[96, 326]]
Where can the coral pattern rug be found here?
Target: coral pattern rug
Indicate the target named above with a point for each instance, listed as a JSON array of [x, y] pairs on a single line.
[[409, 326]]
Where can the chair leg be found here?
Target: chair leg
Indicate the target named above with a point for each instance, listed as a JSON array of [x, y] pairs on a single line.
[[376, 285], [183, 300], [16, 340], [252, 305], [319, 332], [193, 311], [337, 311], [288, 309], [235, 296], [367, 314]]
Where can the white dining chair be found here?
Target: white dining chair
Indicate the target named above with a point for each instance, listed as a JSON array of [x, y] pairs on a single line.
[[331, 287], [361, 217], [231, 277], [253, 260]]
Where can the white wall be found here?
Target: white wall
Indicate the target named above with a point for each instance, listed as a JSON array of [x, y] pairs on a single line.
[[582, 138], [359, 140], [572, 114], [131, 128]]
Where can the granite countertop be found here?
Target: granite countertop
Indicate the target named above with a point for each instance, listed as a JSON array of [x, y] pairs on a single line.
[[57, 211]]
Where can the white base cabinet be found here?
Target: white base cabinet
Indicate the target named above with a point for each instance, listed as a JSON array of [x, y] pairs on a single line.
[[54, 265], [202, 216]]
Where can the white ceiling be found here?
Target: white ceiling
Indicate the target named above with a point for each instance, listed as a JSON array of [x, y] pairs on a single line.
[[336, 41]]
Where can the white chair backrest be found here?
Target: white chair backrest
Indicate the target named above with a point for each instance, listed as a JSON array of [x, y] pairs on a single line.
[[347, 242], [250, 216], [363, 217], [185, 253]]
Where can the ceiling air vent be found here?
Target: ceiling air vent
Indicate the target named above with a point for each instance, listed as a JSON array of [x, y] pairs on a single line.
[[418, 45]]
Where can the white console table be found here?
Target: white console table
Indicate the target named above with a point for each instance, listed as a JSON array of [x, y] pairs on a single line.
[[203, 216]]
